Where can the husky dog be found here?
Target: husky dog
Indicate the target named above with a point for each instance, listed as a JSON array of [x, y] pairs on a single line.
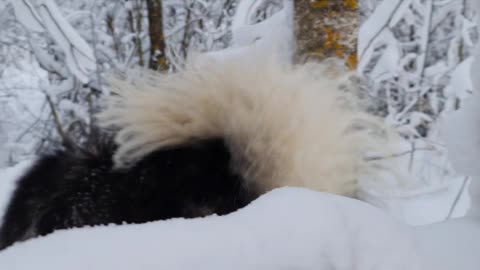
[[206, 140]]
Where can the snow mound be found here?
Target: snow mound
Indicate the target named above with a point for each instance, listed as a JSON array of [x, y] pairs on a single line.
[[450, 245], [460, 132], [427, 206], [288, 228], [8, 178]]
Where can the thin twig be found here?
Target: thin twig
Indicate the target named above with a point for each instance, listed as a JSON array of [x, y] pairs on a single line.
[[66, 141], [374, 158], [56, 119], [457, 198]]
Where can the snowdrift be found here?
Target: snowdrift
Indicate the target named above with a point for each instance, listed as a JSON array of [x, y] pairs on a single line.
[[450, 245], [288, 228], [8, 178]]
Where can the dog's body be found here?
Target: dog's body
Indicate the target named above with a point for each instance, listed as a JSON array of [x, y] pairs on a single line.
[[207, 140], [64, 190]]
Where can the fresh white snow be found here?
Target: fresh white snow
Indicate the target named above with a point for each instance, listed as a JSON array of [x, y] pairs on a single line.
[[447, 201], [451, 245], [288, 228], [48, 17], [8, 178], [79, 56]]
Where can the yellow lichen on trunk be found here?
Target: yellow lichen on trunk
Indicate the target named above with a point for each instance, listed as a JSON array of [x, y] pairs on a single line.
[[327, 28]]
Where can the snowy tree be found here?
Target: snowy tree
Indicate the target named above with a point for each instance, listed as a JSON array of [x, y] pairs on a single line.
[[198, 26], [65, 48], [70, 62], [414, 57], [75, 44], [20, 114], [409, 51]]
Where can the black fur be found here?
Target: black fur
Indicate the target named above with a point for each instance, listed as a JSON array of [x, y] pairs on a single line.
[[73, 190]]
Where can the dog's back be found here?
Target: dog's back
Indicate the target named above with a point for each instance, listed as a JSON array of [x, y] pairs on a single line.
[[65, 190]]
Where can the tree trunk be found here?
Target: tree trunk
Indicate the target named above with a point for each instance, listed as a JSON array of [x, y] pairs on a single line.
[[326, 29], [135, 18], [157, 39]]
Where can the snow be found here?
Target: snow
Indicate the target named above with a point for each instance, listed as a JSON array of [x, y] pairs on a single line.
[[372, 28], [431, 190], [245, 34], [273, 34], [288, 228], [426, 207], [450, 245], [79, 55], [8, 177], [26, 14], [459, 130], [21, 111], [474, 73], [421, 193], [461, 85]]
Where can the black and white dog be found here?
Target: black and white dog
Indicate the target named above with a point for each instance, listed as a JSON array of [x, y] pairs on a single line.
[[207, 140]]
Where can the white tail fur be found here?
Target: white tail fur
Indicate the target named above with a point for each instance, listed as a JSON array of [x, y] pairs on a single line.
[[283, 124]]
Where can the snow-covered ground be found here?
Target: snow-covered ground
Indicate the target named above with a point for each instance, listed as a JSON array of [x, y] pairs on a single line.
[[288, 228], [451, 245], [460, 131], [448, 201], [8, 177]]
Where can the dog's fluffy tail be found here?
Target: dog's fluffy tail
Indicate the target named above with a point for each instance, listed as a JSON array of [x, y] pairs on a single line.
[[283, 124]]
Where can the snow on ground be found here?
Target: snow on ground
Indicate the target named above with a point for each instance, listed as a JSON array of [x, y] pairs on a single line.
[[460, 131], [288, 228], [8, 177], [451, 245], [447, 201], [415, 191]]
